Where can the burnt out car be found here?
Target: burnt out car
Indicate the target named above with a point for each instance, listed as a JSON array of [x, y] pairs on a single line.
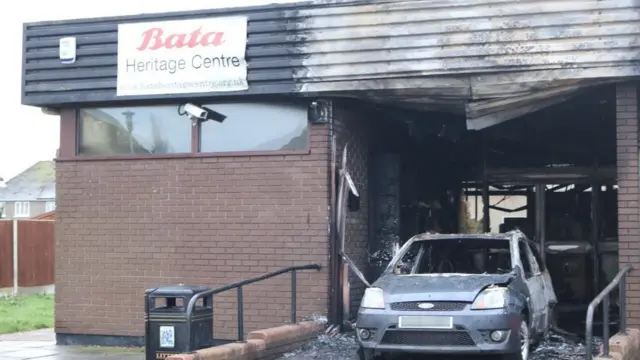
[[458, 294]]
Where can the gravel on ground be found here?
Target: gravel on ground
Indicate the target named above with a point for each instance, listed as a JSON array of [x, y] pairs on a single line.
[[343, 347]]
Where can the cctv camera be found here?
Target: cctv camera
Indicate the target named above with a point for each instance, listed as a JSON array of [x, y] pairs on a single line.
[[200, 113], [195, 112], [214, 115]]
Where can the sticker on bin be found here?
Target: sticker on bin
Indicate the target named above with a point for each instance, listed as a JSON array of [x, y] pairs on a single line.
[[167, 337]]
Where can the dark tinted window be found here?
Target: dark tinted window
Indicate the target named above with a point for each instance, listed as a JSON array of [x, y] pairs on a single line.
[[458, 256], [256, 127], [135, 130]]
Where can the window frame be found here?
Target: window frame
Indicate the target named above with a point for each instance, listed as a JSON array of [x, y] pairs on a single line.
[[22, 214], [70, 133], [48, 207], [522, 245], [537, 257], [535, 267]]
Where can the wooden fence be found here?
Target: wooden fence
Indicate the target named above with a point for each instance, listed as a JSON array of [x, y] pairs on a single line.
[[6, 253], [27, 249]]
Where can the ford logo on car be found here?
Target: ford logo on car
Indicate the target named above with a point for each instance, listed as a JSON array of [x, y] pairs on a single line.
[[426, 306]]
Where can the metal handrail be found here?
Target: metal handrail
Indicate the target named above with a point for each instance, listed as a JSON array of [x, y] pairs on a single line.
[[620, 280], [240, 301]]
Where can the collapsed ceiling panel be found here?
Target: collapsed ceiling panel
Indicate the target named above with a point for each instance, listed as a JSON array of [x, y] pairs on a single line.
[[480, 113], [485, 113]]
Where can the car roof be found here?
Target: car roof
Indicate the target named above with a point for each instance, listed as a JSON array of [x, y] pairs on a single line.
[[487, 236]]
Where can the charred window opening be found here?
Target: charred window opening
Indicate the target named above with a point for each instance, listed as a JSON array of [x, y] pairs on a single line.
[[455, 256], [524, 260]]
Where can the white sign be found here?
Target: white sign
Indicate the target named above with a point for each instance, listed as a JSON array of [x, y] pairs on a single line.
[[167, 337], [68, 50], [183, 56]]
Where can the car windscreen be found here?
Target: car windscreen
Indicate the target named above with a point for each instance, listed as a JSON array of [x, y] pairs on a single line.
[[455, 256]]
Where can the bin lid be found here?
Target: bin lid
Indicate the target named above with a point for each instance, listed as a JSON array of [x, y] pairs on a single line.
[[176, 290]]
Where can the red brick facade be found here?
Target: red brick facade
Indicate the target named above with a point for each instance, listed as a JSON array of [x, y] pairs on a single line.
[[353, 129], [128, 225], [628, 200]]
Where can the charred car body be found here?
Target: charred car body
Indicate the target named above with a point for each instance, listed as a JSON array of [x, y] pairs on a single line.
[[458, 294]]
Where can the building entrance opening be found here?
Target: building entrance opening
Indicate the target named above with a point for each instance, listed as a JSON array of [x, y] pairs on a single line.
[[550, 174]]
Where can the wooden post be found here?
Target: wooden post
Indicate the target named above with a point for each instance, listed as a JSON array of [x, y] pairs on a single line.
[[15, 257]]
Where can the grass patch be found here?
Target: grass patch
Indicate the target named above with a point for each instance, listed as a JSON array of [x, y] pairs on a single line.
[[26, 313]]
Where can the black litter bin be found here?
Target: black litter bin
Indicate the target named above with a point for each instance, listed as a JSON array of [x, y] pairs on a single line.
[[166, 321]]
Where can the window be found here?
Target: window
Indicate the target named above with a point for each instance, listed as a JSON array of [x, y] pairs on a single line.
[[456, 256], [535, 270], [524, 259], [22, 209], [537, 257], [50, 206], [137, 130], [3, 210], [256, 127], [247, 127]]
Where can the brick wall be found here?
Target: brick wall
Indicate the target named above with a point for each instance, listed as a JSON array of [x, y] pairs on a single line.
[[353, 126], [628, 219], [124, 226]]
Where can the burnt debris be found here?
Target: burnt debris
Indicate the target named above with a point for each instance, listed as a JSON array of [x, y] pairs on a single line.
[[343, 347]]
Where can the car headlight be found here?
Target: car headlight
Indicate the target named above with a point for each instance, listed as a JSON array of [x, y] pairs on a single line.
[[373, 299], [491, 298]]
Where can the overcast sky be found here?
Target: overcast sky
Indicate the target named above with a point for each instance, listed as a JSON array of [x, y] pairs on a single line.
[[26, 134]]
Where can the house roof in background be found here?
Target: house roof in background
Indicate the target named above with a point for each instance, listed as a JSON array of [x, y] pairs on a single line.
[[51, 215], [36, 183]]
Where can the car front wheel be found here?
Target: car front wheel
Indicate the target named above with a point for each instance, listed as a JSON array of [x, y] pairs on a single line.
[[525, 343]]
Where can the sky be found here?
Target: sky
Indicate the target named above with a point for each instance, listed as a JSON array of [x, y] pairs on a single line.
[[26, 134]]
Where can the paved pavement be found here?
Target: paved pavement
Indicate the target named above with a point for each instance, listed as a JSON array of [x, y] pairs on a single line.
[[41, 345], [38, 335]]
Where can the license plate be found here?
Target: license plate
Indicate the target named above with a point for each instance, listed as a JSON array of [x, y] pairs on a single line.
[[425, 322]]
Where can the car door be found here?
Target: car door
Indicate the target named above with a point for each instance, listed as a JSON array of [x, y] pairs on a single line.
[[550, 298], [533, 279], [537, 287]]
